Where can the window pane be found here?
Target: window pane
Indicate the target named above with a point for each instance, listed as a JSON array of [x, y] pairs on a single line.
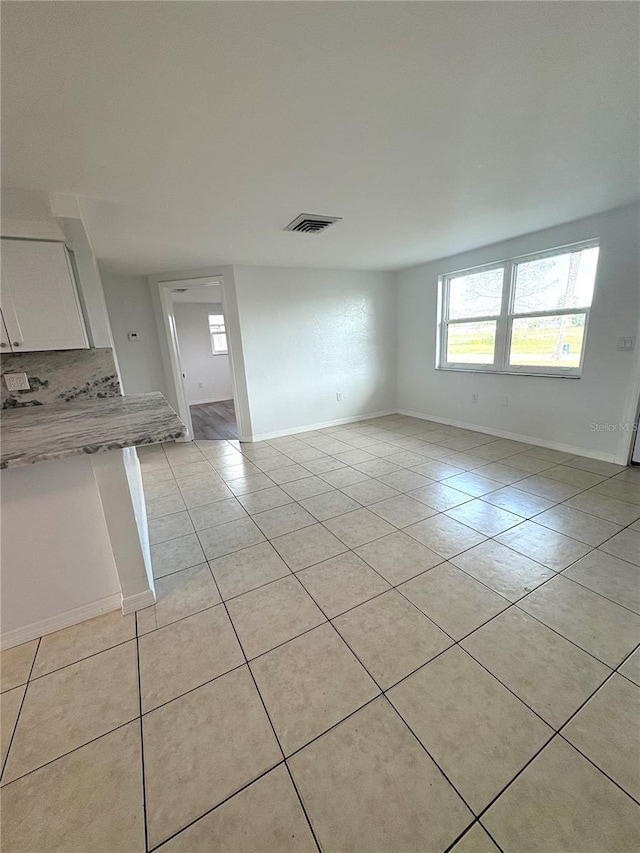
[[216, 323], [471, 343], [476, 295], [219, 343], [562, 281], [547, 341]]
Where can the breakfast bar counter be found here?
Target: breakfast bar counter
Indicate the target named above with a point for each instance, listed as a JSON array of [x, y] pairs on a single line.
[[39, 433], [75, 542]]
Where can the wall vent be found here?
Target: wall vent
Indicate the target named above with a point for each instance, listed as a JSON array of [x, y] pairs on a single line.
[[309, 223]]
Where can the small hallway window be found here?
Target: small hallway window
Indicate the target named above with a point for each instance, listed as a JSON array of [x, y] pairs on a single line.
[[218, 334]]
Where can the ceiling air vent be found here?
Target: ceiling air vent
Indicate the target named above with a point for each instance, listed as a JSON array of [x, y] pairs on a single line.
[[309, 223]]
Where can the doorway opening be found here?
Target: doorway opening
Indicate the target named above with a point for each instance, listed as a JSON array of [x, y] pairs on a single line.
[[215, 288], [203, 352]]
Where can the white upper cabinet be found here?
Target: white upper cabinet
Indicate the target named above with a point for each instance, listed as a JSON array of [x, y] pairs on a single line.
[[40, 306]]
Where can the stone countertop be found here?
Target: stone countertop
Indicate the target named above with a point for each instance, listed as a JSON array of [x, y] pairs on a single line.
[[38, 433]]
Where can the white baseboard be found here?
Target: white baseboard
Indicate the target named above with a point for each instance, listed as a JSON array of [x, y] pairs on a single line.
[[62, 620], [265, 436], [138, 601], [514, 436]]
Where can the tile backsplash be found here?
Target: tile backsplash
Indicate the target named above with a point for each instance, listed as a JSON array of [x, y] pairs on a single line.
[[61, 376]]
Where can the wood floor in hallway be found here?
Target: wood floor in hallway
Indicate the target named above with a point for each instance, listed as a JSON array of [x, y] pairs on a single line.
[[214, 420]]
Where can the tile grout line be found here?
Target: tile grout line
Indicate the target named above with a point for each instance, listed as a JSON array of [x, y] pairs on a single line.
[[217, 806], [383, 692], [444, 560], [557, 733], [597, 767], [436, 512], [141, 730], [24, 696], [86, 657], [489, 538], [465, 832], [273, 729], [556, 574], [70, 751], [470, 498], [424, 749], [457, 643]]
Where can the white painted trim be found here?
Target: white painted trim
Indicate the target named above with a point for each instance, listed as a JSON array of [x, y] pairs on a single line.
[[208, 400], [60, 621], [160, 286], [173, 342], [265, 436], [514, 436], [138, 601], [504, 319], [631, 414]]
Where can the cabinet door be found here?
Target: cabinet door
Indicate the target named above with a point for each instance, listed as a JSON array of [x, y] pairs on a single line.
[[39, 300]]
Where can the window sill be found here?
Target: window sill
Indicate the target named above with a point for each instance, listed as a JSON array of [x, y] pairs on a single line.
[[511, 372]]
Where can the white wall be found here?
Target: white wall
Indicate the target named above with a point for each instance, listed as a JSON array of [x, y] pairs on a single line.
[[207, 376], [92, 299], [308, 334], [130, 310], [553, 410], [61, 569]]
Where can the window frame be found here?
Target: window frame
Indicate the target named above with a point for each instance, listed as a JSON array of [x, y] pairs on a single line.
[[214, 351], [504, 320]]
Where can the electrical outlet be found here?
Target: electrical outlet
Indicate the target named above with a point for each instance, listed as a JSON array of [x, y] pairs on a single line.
[[133, 336], [474, 398], [200, 385], [17, 382], [626, 344]]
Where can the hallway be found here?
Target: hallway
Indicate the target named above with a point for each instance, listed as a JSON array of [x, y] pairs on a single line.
[[214, 421]]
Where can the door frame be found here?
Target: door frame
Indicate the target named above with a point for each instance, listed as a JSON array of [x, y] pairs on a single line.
[[161, 287], [631, 414]]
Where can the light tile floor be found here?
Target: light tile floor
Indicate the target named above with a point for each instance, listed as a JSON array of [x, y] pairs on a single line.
[[385, 637]]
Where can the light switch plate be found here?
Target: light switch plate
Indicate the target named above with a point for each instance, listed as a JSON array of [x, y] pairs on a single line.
[[17, 382], [626, 344]]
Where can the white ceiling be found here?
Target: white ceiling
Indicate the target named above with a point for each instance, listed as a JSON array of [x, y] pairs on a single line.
[[195, 131]]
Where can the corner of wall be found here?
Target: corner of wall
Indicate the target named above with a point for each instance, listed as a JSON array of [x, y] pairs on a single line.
[[539, 410]]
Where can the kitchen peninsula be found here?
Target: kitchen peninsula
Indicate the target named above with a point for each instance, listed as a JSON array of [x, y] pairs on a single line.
[[74, 537]]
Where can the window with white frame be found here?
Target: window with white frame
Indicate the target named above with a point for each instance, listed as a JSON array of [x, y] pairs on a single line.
[[523, 315], [218, 334]]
